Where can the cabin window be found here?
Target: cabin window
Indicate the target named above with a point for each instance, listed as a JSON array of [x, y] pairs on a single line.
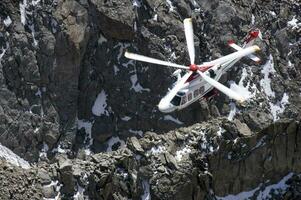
[[189, 96], [184, 100], [176, 101], [196, 93], [201, 90]]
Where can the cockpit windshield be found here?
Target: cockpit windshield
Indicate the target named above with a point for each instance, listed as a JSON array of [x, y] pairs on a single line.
[[176, 101]]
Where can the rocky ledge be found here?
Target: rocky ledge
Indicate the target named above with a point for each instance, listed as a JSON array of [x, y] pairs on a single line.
[[210, 160]]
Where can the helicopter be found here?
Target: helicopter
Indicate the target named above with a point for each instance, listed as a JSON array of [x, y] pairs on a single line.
[[201, 81]]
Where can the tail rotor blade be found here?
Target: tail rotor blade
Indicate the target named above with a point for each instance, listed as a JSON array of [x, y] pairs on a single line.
[[189, 39], [152, 60], [222, 88]]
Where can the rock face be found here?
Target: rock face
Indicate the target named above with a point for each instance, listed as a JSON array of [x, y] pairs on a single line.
[[68, 95]]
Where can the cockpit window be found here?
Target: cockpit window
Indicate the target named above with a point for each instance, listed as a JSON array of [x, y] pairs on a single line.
[[176, 101], [181, 93]]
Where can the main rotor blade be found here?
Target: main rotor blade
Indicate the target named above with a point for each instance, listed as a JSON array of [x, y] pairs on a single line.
[[233, 56], [152, 60], [222, 88], [189, 39], [177, 87]]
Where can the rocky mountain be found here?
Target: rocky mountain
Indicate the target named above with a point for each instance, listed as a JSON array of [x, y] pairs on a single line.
[[80, 121]]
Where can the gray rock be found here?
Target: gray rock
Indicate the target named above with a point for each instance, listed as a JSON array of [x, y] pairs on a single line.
[[242, 128]]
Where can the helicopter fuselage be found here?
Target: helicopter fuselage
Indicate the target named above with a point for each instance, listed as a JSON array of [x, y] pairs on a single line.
[[195, 88]]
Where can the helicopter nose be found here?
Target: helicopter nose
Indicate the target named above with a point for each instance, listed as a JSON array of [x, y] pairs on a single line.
[[166, 107]]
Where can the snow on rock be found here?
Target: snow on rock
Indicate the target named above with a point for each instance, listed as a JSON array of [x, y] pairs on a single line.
[[171, 118], [260, 194], [13, 158], [33, 33], [241, 89], [79, 195], [265, 83], [2, 54], [23, 11], [273, 13], [88, 130], [220, 131], [253, 20], [156, 150], [171, 7], [136, 85], [293, 23], [136, 3], [114, 140], [100, 104], [137, 132], [35, 2], [7, 22], [155, 18], [180, 153], [57, 186], [279, 107], [43, 152], [59, 149], [126, 118], [146, 190], [233, 111], [102, 39]]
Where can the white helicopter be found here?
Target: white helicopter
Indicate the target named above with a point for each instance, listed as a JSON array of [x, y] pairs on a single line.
[[200, 80]]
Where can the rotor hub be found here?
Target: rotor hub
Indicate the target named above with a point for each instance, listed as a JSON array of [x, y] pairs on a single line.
[[193, 67]]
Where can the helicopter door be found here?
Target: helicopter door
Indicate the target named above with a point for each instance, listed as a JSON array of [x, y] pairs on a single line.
[[189, 96], [184, 100]]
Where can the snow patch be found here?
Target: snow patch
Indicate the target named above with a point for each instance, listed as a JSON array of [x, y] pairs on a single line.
[[265, 83], [171, 7], [79, 195], [272, 13], [23, 11], [146, 190], [43, 152], [220, 131], [253, 20], [57, 186], [155, 18], [12, 158], [2, 54], [7, 22], [240, 88], [88, 130], [293, 23], [279, 188], [137, 132], [100, 104], [114, 140], [233, 111], [33, 33], [137, 3], [156, 150], [126, 118], [171, 118], [102, 39], [35, 2], [136, 85]]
